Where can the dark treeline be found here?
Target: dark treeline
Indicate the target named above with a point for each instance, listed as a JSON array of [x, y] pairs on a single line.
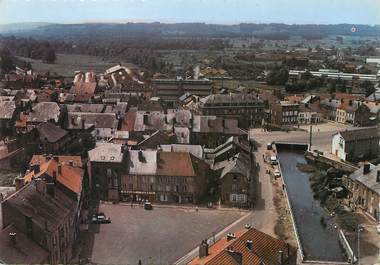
[[128, 31]]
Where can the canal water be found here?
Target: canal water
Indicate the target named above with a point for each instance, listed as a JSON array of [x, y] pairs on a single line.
[[318, 242]]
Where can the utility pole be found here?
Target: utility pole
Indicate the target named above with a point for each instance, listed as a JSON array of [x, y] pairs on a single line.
[[310, 138], [358, 245]]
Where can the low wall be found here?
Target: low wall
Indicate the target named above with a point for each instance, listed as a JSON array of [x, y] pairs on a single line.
[[315, 157]]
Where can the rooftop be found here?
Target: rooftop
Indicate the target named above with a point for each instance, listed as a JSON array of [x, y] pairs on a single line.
[[360, 134], [51, 132], [23, 251], [265, 250], [107, 152]]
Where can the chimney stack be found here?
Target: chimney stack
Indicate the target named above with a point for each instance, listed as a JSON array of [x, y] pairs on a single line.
[[12, 238], [36, 169], [203, 249], [366, 168], [281, 257], [41, 185], [59, 169], [50, 189], [249, 245], [230, 236], [19, 183]]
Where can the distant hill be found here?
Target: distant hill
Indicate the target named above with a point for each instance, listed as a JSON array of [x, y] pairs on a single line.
[[120, 31], [16, 27]]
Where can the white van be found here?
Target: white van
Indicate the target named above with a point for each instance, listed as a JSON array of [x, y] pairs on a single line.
[[273, 160]]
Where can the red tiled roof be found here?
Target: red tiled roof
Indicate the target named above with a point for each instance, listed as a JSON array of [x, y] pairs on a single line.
[[71, 177], [41, 159], [265, 249], [175, 164], [128, 123]]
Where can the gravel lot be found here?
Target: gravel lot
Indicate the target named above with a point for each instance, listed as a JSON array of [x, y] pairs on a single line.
[[160, 236]]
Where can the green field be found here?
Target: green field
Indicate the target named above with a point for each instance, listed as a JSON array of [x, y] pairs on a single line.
[[67, 64]]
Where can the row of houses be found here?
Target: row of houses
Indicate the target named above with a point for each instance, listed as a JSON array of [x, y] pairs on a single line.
[[174, 173]]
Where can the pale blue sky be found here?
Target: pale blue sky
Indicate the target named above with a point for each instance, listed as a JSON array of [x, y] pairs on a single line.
[[209, 11]]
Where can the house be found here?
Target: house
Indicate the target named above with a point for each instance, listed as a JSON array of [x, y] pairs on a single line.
[[45, 214], [308, 115], [285, 113], [345, 113], [212, 131], [52, 138], [174, 177], [236, 181], [171, 89], [248, 109], [7, 115], [364, 116], [358, 144], [249, 247], [363, 187], [106, 165], [104, 124], [329, 107], [84, 84]]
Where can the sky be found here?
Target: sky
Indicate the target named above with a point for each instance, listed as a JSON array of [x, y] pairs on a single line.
[[208, 11]]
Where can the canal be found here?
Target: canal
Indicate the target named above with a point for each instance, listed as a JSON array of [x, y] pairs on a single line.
[[318, 242]]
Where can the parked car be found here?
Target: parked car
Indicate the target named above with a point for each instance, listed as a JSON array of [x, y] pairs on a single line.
[[100, 218], [273, 160], [277, 173], [148, 206], [269, 146]]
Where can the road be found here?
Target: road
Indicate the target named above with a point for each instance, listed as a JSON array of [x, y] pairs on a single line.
[[264, 215], [321, 135]]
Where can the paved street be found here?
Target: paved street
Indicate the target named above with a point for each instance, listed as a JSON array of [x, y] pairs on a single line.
[[321, 139]]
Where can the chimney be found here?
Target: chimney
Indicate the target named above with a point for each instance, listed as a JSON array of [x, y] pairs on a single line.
[[56, 158], [378, 176], [141, 157], [36, 169], [249, 245], [238, 257], [203, 249], [59, 169], [83, 124], [71, 162], [41, 185], [230, 236], [146, 119], [281, 257], [12, 238], [50, 189], [366, 168], [19, 183]]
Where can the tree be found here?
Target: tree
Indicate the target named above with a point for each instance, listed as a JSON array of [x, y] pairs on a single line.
[[7, 63], [277, 76], [49, 55], [368, 87]]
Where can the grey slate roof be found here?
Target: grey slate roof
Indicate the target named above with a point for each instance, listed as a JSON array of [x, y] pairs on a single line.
[[360, 134], [51, 132], [369, 179]]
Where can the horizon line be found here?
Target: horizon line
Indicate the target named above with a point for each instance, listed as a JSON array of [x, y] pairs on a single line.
[[187, 22]]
